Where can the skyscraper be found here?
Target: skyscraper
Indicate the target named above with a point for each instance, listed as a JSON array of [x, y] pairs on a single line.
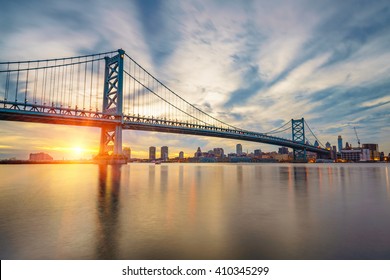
[[164, 153], [127, 152], [181, 155], [198, 153], [152, 153], [239, 149], [258, 153], [218, 152], [283, 151], [340, 143]]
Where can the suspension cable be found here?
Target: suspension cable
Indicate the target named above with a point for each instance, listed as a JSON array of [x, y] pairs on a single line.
[[186, 102], [54, 59], [276, 129], [314, 134]]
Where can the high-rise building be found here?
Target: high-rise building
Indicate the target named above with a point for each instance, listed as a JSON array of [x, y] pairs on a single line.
[[126, 152], [218, 152], [355, 154], [316, 143], [198, 153], [257, 153], [40, 156], [328, 146], [374, 151], [340, 143], [283, 151], [181, 155], [239, 149], [334, 153], [164, 153], [152, 153]]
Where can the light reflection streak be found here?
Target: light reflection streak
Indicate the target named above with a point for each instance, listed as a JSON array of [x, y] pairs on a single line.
[[108, 211], [387, 181]]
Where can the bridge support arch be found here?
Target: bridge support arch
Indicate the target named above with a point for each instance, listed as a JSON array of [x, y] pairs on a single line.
[[298, 135], [111, 136]]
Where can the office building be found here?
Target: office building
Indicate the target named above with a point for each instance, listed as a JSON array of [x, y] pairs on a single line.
[[152, 153], [198, 153], [40, 156], [181, 155], [328, 146], [164, 153], [355, 154], [126, 151], [334, 153], [239, 149], [283, 151], [340, 143], [374, 151], [218, 152], [257, 153]]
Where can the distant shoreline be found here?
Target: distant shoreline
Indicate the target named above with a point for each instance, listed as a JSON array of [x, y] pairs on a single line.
[[19, 161]]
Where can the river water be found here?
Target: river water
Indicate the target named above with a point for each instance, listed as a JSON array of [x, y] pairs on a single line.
[[195, 211]]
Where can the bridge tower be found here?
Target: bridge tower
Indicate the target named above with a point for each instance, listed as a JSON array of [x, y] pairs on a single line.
[[111, 136], [298, 135]]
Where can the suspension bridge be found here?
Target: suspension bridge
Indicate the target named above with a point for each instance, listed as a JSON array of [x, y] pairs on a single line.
[[112, 91]]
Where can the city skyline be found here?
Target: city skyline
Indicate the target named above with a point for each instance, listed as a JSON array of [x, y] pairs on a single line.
[[265, 69]]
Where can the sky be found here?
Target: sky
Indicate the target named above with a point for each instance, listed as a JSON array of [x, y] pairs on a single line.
[[256, 64]]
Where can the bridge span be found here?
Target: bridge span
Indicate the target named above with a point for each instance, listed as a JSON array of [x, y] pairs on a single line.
[[112, 91]]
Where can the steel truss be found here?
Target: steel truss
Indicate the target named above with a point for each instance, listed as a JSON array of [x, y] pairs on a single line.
[[111, 136], [298, 136]]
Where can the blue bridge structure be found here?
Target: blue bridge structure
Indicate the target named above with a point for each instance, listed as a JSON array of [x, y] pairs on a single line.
[[112, 91]]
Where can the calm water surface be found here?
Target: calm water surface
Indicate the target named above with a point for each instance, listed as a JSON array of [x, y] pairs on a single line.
[[195, 211]]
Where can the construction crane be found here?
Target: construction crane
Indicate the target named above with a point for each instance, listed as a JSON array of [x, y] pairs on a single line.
[[357, 137]]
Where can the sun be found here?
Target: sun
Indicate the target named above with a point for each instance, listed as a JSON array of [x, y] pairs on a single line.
[[78, 150]]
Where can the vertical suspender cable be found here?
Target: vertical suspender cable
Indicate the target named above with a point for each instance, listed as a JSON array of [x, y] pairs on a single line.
[[85, 85], [128, 91], [70, 84], [17, 85], [43, 102], [90, 92], [55, 89], [124, 85], [149, 111], [138, 92], [63, 99], [97, 85], [78, 84], [143, 95], [134, 92], [7, 84], [25, 91], [50, 87], [36, 84]]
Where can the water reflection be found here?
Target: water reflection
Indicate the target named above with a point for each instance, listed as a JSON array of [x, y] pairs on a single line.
[[152, 175], [300, 179], [195, 211], [239, 175], [108, 211], [387, 181]]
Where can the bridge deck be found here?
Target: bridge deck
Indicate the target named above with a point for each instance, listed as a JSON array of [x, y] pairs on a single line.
[[67, 116]]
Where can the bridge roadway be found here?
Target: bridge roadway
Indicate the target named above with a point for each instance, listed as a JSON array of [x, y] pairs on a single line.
[[14, 111]]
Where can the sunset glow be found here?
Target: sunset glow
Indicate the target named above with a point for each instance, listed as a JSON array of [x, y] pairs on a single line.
[[251, 64]]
